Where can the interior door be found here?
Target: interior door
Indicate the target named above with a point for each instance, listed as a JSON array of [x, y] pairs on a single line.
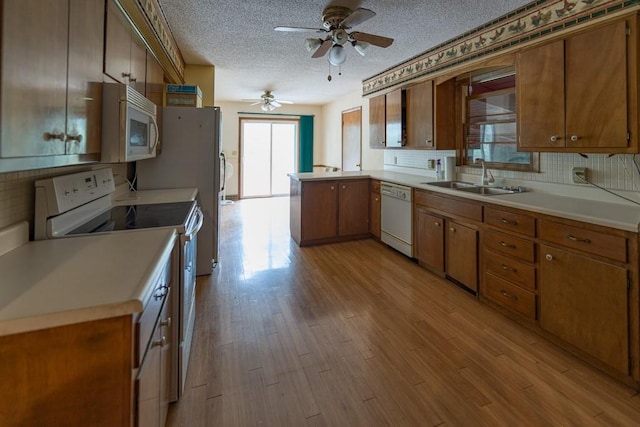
[[352, 140]]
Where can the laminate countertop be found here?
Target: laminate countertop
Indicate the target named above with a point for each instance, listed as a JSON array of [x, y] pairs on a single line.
[[615, 215], [49, 283]]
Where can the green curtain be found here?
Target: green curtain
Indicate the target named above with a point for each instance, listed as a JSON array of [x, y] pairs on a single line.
[[306, 144]]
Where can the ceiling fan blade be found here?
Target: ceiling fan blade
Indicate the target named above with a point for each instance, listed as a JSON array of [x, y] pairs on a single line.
[[372, 38], [258, 103], [300, 29], [356, 17], [323, 49], [285, 102], [275, 103]]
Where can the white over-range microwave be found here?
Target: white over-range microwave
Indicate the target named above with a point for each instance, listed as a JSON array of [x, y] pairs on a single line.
[[129, 125]]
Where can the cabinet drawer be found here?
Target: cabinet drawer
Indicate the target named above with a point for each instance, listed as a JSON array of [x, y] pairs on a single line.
[[147, 320], [509, 295], [452, 206], [509, 269], [594, 242], [506, 244], [510, 221]]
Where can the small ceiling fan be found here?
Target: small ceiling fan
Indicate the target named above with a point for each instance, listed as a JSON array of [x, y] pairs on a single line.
[[268, 101], [336, 20]]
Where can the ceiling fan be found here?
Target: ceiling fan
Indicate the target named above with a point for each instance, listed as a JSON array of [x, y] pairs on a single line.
[[268, 101], [336, 20]]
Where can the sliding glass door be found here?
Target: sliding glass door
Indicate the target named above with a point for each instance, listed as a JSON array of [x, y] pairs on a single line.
[[269, 152]]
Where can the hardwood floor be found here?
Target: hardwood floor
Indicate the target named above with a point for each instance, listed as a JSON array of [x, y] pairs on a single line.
[[355, 334]]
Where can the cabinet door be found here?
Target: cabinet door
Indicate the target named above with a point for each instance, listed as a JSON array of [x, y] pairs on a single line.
[[374, 213], [84, 91], [420, 115], [138, 66], [429, 239], [117, 56], [166, 359], [319, 210], [148, 384], [462, 254], [596, 84], [394, 118], [353, 207], [377, 121], [585, 303], [540, 97], [34, 78]]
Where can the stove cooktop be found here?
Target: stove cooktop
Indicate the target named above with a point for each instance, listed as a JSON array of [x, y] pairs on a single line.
[[133, 217]]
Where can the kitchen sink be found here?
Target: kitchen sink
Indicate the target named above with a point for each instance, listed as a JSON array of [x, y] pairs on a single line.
[[486, 191], [457, 185], [474, 188]]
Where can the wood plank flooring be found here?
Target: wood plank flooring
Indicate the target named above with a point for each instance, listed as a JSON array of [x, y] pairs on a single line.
[[355, 334]]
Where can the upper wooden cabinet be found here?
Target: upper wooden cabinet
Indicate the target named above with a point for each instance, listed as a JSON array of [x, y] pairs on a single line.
[[125, 55], [420, 115], [579, 94], [396, 125], [51, 83], [377, 121]]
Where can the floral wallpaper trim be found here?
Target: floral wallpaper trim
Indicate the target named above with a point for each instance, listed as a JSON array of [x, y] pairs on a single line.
[[536, 19]]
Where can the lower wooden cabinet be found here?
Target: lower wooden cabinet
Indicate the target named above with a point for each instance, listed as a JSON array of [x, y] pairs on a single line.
[[429, 242], [329, 211], [375, 208], [584, 302], [461, 259]]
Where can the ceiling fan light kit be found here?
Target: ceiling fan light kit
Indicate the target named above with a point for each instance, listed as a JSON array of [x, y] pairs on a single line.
[[267, 102], [336, 20]]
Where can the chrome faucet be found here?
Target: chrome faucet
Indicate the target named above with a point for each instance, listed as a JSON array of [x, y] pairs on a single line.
[[487, 176]]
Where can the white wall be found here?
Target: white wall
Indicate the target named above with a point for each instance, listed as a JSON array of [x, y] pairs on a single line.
[[231, 114]]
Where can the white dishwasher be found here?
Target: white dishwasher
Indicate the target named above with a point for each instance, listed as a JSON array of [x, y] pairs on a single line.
[[397, 217]]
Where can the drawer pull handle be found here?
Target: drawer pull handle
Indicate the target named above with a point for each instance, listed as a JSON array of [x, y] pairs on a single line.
[[577, 239], [77, 138], [161, 342], [508, 295], [507, 268], [48, 136], [508, 221], [166, 323], [548, 257], [507, 245]]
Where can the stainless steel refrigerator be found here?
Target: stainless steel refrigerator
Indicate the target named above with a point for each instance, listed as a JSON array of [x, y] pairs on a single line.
[[191, 156]]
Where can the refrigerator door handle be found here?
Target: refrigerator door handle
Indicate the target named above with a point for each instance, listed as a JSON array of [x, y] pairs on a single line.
[[157, 138], [223, 171]]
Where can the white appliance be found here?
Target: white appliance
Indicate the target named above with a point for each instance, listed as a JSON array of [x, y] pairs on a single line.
[[191, 156], [396, 217], [81, 204], [129, 125]]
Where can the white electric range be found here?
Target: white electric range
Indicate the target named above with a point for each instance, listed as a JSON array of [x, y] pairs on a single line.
[[85, 203]]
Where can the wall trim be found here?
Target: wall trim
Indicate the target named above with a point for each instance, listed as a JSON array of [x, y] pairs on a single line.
[[533, 21]]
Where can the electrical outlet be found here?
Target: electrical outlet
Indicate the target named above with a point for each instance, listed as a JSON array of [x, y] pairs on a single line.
[[395, 160], [579, 175]]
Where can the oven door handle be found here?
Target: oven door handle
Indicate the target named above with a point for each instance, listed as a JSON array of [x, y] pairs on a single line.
[[191, 233]]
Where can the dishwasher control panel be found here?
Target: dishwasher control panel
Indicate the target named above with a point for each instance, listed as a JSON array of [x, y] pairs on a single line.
[[397, 191]]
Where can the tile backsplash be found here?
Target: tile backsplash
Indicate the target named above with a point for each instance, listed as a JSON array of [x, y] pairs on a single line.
[[17, 195], [616, 172]]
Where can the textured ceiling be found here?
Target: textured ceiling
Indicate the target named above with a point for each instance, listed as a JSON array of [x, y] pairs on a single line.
[[238, 38]]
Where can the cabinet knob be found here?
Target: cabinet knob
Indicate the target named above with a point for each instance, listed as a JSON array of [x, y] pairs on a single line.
[[437, 224], [48, 136], [344, 187], [451, 229], [333, 188], [574, 138], [377, 198], [166, 323], [554, 138], [77, 138], [548, 257], [161, 342]]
